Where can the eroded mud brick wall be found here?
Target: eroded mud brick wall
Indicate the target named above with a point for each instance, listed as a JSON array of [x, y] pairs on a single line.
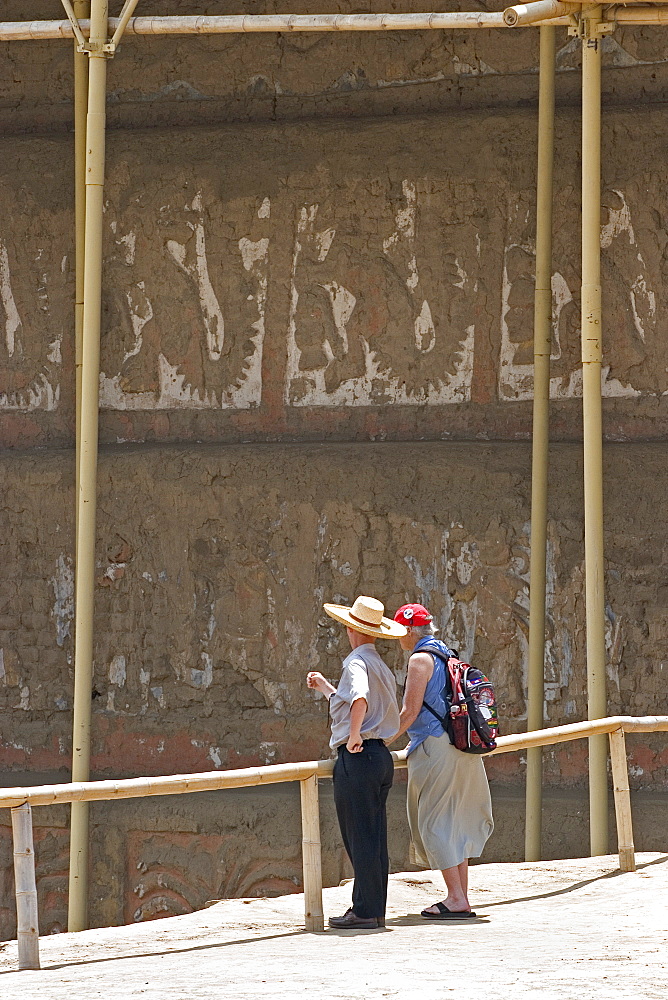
[[316, 381]]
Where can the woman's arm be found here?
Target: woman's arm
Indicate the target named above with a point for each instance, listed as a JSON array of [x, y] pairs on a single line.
[[420, 669], [357, 713]]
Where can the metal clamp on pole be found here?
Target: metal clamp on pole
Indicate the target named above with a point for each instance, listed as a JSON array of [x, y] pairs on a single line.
[[589, 27], [107, 48]]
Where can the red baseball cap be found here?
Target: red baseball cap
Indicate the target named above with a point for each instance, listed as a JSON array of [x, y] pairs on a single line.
[[413, 614]]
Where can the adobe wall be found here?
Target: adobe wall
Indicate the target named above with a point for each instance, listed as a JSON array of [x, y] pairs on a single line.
[[316, 381], [213, 563], [318, 237]]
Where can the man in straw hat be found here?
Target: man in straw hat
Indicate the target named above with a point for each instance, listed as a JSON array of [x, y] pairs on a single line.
[[364, 714]]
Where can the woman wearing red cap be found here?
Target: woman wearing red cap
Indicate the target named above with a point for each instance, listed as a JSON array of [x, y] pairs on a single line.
[[448, 801]]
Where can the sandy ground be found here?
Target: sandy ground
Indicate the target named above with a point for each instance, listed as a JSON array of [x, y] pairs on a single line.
[[576, 929]]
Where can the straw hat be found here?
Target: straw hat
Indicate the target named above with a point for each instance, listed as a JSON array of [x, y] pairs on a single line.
[[366, 616]]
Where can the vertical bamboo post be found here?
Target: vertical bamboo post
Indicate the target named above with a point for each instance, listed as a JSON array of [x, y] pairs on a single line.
[[311, 854], [90, 374], [592, 358], [620, 781], [542, 346], [26, 888], [82, 10], [79, 811]]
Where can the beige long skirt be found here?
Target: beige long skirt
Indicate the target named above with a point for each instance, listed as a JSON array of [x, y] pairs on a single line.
[[448, 803]]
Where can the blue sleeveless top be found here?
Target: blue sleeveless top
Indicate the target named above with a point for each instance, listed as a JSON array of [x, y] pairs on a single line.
[[426, 724]]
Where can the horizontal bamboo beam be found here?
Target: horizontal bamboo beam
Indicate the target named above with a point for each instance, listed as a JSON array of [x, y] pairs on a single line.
[[207, 781], [638, 14], [175, 784], [311, 22], [580, 730], [523, 14], [17, 31]]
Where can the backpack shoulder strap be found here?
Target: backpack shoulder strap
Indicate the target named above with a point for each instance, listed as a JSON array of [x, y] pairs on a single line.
[[438, 648], [435, 646], [441, 718]]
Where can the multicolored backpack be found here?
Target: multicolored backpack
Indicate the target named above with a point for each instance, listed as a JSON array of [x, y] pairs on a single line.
[[471, 719]]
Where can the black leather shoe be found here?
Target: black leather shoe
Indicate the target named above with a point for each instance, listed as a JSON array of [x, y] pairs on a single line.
[[351, 920]]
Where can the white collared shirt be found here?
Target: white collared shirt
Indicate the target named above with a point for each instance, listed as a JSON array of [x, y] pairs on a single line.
[[365, 675]]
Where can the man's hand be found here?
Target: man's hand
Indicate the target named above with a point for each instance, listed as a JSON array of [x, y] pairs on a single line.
[[354, 744], [317, 682]]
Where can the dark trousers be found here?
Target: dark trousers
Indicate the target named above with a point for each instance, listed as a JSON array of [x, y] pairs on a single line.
[[362, 782]]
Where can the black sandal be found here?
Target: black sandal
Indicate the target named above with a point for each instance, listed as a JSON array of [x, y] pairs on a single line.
[[445, 914]]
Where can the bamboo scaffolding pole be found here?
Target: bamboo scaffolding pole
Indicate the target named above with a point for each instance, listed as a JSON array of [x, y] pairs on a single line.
[[542, 347], [314, 919], [126, 14], [252, 23], [79, 813], [81, 10], [620, 783], [74, 16], [207, 781], [25, 887], [640, 14], [90, 375], [592, 357], [541, 10]]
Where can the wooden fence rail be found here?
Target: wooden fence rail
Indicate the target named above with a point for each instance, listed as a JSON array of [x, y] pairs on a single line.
[[21, 801]]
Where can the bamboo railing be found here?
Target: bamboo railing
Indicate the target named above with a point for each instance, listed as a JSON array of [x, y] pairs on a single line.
[[21, 801]]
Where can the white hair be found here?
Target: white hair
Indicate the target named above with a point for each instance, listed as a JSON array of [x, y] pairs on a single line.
[[423, 631]]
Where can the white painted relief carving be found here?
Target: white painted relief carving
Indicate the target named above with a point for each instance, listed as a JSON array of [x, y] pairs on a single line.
[[197, 269], [517, 304], [12, 321], [190, 327], [30, 350], [630, 278], [384, 286], [634, 281], [366, 326]]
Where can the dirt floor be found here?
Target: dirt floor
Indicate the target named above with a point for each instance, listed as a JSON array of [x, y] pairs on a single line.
[[575, 929]]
